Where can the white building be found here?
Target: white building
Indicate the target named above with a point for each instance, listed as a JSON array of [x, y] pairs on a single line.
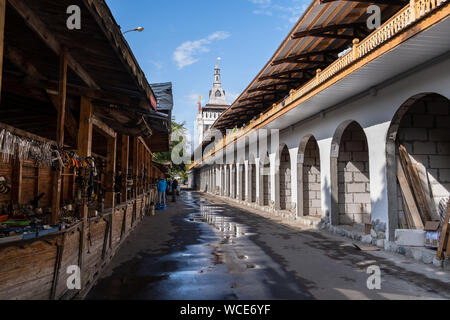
[[217, 104], [352, 137]]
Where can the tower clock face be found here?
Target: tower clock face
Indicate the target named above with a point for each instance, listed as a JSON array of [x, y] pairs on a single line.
[[218, 94]]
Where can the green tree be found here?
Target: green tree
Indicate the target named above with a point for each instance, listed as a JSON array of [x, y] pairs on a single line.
[[166, 157]]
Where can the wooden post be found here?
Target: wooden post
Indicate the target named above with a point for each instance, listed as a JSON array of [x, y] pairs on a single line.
[[110, 173], [85, 143], [84, 150], [135, 165], [16, 193], [2, 38], [56, 199], [124, 161]]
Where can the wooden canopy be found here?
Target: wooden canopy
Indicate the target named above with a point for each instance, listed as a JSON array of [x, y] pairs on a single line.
[[100, 67], [326, 29]]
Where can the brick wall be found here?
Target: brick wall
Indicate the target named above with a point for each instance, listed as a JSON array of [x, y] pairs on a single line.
[[353, 176], [425, 132], [265, 175], [253, 177], [312, 204], [285, 180]]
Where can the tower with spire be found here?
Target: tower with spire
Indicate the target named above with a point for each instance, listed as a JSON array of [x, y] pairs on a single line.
[[217, 104], [217, 94]]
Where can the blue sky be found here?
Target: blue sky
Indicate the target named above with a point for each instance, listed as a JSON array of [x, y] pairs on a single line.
[[182, 40]]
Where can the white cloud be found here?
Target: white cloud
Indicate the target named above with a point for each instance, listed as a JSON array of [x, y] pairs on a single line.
[[290, 13], [158, 65], [193, 98], [186, 54], [231, 96]]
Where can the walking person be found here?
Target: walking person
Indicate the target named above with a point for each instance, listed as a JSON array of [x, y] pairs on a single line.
[[162, 188], [174, 190]]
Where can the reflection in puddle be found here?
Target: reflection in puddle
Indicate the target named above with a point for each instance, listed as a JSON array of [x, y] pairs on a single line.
[[228, 229]]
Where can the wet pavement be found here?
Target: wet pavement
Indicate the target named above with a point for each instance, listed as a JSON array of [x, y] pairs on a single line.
[[202, 248]]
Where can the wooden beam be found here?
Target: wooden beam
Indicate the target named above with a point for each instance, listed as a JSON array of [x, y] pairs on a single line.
[[17, 178], [16, 57], [85, 128], [385, 2], [2, 38], [84, 150], [124, 162], [412, 214], [35, 23], [440, 253], [70, 123], [105, 130], [135, 165], [62, 97], [307, 55], [332, 31], [288, 73], [414, 182], [57, 181], [110, 173], [51, 87]]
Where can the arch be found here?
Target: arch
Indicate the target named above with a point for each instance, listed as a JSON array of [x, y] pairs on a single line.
[[422, 126], [284, 177], [350, 176], [264, 181], [309, 191]]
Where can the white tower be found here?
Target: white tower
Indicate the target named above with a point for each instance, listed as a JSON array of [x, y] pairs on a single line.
[[217, 104], [217, 94]]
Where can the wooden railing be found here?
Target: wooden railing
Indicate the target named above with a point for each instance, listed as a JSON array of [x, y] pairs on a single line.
[[400, 21]]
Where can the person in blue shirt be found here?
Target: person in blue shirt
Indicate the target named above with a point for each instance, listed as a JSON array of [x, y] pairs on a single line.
[[162, 187]]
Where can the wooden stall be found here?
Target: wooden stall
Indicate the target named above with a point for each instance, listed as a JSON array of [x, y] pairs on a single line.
[[77, 116]]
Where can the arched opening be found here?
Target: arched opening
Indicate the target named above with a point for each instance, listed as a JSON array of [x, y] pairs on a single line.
[[265, 181], [251, 180], [350, 176], [422, 127], [285, 179], [311, 179]]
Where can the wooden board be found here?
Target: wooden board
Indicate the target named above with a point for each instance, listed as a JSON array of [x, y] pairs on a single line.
[[424, 180], [415, 183], [444, 237], [412, 211]]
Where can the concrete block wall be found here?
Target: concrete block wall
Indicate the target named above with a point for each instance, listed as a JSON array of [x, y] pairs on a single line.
[[285, 180], [353, 176], [312, 192], [425, 133], [266, 184], [254, 182]]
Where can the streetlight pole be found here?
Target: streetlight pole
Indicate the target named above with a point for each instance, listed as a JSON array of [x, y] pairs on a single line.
[[138, 29]]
